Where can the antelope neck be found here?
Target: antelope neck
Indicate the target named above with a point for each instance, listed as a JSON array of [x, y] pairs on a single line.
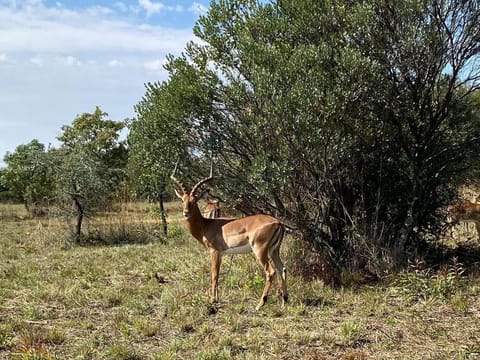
[[195, 223]]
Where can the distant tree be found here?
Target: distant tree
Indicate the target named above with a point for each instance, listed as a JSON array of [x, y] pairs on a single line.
[[157, 139], [28, 176], [4, 193], [90, 162], [3, 186]]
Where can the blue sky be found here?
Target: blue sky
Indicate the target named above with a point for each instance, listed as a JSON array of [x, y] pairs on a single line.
[[62, 58]]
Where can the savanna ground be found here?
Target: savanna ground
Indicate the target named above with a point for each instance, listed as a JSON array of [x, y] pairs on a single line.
[[132, 294]]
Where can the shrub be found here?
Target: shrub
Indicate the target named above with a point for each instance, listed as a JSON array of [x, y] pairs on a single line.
[[420, 284]]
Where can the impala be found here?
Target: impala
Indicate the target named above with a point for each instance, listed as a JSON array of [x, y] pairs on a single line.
[[212, 209], [260, 234], [465, 211]]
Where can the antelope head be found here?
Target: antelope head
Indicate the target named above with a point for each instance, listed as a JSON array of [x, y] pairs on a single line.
[[190, 199]]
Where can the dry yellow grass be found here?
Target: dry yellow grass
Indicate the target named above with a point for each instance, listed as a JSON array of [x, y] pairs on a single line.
[[145, 297]]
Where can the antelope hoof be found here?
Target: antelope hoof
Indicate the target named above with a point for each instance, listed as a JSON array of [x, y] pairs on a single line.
[[262, 302], [212, 309]]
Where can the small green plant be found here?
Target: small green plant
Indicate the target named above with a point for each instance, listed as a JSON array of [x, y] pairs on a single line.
[[460, 302], [38, 353], [351, 333], [257, 282], [214, 354], [147, 328], [4, 335], [154, 212], [112, 298], [165, 355], [177, 233], [390, 321], [123, 352]]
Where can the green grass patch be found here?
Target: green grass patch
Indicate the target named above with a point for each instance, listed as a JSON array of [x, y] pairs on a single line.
[[146, 297]]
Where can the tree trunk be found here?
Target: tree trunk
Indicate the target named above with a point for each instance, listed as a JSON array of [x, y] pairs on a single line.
[[25, 203], [407, 230], [163, 215], [80, 214]]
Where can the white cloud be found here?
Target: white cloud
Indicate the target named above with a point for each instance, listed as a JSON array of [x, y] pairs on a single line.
[[6, 59], [99, 11], [177, 8], [37, 60], [151, 7], [114, 63], [69, 60], [33, 27], [155, 65]]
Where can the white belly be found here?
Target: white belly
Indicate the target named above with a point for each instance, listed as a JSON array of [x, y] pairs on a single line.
[[237, 250]]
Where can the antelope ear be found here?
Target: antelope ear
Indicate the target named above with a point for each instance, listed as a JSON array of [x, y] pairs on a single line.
[[180, 195]]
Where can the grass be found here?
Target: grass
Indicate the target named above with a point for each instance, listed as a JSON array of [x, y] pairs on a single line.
[[138, 295]]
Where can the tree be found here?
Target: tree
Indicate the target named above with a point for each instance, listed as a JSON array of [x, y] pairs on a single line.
[[427, 52], [351, 121], [3, 186], [90, 162], [28, 176], [157, 139]]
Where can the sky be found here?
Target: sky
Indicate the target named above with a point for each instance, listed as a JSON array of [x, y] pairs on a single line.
[[59, 59]]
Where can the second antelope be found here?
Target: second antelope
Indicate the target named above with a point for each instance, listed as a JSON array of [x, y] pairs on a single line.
[[465, 211], [260, 234], [212, 209]]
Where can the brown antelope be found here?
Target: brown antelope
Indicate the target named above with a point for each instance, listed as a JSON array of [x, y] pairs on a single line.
[[260, 234], [212, 209], [465, 211]]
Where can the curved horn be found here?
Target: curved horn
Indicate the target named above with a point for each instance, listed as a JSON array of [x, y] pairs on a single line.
[[178, 182], [203, 181]]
